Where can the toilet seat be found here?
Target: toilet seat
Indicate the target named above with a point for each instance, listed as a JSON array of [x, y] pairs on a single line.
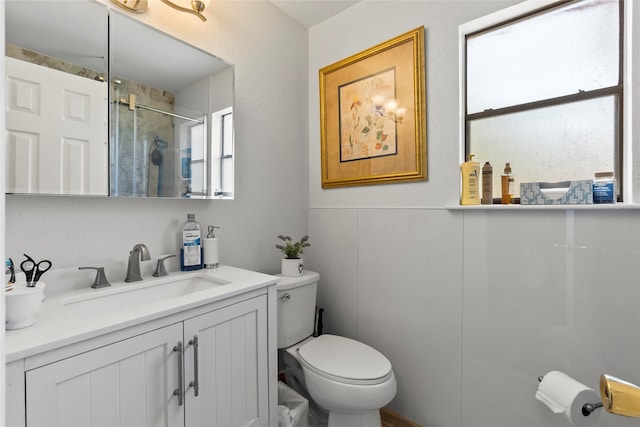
[[345, 360]]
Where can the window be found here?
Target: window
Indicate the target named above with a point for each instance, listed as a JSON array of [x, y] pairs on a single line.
[[543, 90], [222, 138], [198, 162]]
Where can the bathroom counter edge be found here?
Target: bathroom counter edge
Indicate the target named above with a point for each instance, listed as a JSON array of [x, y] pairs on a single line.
[[57, 327]]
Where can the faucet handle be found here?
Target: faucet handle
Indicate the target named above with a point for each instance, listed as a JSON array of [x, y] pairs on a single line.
[[160, 270], [101, 278]]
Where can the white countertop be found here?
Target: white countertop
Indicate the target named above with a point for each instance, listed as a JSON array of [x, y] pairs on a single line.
[[58, 326]]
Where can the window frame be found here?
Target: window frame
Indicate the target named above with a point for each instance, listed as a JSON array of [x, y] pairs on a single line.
[[622, 89], [225, 157], [219, 155], [202, 128]]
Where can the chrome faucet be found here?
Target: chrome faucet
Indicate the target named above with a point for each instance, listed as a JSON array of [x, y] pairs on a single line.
[[139, 253]]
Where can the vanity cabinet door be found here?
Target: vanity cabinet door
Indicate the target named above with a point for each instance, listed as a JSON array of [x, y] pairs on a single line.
[[128, 383], [232, 366]]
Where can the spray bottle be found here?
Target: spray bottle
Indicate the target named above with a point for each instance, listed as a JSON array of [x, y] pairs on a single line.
[[508, 185], [487, 184]]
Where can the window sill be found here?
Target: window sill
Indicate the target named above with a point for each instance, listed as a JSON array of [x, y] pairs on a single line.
[[616, 206]]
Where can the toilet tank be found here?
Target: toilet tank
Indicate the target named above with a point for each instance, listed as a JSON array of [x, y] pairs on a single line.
[[296, 307]]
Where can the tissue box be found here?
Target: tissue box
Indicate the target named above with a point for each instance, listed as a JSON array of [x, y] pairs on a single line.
[[557, 193]]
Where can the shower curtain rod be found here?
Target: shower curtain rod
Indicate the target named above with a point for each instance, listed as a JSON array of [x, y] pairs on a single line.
[[132, 105]]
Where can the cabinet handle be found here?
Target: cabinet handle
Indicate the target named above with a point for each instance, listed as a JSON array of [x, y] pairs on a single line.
[[180, 390], [195, 383]]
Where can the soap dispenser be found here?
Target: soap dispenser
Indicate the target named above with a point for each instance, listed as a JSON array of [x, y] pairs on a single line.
[[211, 248], [470, 182]]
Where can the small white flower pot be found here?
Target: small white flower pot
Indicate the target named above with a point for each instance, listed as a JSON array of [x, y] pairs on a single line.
[[292, 267]]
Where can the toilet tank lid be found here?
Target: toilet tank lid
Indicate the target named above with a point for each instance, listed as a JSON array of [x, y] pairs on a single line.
[[307, 278], [345, 358]]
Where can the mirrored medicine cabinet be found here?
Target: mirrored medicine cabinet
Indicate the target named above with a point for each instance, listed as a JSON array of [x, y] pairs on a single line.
[[101, 104]]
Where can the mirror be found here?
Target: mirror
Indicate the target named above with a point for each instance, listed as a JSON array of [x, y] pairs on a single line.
[[164, 117], [56, 109], [170, 106]]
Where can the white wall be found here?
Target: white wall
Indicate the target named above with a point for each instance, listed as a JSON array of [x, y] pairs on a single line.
[[2, 246], [470, 306], [269, 51]]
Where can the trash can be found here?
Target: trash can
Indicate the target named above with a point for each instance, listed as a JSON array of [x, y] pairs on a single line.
[[293, 409]]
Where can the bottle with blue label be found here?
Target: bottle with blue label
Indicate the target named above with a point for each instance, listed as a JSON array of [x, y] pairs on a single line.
[[604, 188], [191, 250], [9, 273]]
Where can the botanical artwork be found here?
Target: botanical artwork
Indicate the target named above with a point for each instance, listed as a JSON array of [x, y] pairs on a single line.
[[369, 115], [372, 115]]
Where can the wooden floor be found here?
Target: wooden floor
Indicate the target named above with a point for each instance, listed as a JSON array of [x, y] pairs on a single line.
[[392, 419]]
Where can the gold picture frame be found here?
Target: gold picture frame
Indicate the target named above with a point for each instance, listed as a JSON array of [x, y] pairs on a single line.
[[373, 115]]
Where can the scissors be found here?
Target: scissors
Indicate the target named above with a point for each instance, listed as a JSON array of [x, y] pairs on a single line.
[[33, 271]]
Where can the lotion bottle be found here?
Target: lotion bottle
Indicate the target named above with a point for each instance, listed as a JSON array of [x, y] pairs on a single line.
[[470, 182], [191, 249], [508, 185]]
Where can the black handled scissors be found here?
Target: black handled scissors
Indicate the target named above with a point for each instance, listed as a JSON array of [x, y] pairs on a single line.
[[34, 270]]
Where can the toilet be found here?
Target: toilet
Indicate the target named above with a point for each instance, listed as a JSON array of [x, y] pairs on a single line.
[[345, 377]]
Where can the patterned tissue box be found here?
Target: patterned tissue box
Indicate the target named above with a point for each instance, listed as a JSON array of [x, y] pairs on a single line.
[[558, 193]]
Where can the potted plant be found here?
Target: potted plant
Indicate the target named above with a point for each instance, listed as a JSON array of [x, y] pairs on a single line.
[[292, 264]]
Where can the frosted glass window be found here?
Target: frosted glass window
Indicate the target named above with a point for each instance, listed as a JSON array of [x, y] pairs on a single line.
[[227, 174], [197, 142], [227, 135], [226, 161], [198, 162], [197, 178], [222, 137], [566, 50], [553, 144], [544, 91]]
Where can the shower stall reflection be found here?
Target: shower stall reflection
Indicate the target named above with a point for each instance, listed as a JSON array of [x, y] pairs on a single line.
[[156, 151]]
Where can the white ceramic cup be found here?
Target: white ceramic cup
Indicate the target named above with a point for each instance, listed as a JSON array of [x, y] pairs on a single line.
[[22, 304]]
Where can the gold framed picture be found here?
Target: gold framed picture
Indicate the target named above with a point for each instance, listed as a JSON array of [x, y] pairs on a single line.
[[373, 115]]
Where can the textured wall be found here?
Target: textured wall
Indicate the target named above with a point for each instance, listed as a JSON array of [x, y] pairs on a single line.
[[269, 51]]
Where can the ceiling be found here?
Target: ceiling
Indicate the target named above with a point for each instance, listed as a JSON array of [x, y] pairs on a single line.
[[311, 12]]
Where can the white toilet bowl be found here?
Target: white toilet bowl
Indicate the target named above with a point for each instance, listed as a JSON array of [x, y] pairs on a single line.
[[348, 378]]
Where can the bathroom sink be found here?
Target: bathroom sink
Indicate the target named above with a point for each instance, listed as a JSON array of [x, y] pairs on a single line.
[[129, 296]]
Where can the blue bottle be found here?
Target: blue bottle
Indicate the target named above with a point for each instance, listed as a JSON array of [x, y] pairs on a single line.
[[191, 250]]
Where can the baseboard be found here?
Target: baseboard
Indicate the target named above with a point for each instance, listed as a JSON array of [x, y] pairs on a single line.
[[393, 419]]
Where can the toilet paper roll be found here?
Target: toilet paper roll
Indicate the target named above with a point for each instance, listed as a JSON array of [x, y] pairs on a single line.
[[564, 395], [210, 250]]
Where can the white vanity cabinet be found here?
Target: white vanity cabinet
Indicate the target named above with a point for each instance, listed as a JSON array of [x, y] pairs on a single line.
[[230, 361], [208, 368], [130, 382]]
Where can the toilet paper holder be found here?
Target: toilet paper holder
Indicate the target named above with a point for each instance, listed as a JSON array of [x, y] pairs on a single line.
[[587, 408]]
